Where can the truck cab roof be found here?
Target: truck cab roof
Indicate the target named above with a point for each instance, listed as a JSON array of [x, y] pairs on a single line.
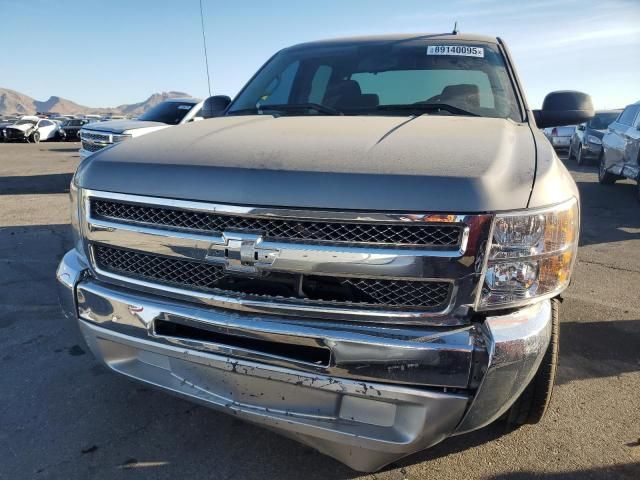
[[399, 37]]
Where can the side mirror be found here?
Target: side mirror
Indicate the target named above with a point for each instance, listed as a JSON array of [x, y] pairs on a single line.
[[215, 106], [582, 126], [565, 107]]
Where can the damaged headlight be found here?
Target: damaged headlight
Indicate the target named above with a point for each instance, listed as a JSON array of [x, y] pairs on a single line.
[[531, 255]]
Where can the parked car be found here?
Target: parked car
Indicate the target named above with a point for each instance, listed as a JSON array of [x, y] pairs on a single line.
[[365, 268], [560, 136], [586, 142], [4, 123], [620, 156], [31, 129], [70, 129], [170, 112]]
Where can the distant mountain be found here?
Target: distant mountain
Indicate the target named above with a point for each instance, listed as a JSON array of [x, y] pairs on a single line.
[[12, 102]]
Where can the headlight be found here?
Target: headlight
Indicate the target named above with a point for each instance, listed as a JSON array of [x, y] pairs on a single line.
[[592, 139], [531, 255], [120, 138]]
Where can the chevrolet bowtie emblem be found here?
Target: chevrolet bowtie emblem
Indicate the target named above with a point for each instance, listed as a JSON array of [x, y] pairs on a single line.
[[241, 253]]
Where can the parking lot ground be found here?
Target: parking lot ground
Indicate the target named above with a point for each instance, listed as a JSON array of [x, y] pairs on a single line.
[[62, 415]]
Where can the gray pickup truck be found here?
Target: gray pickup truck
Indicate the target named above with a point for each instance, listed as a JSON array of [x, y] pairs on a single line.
[[362, 251]]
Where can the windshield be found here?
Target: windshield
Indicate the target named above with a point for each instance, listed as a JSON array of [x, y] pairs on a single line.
[[390, 78], [75, 123], [167, 112], [602, 120], [26, 122]]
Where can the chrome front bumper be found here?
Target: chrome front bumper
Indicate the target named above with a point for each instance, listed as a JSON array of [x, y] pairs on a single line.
[[384, 392]]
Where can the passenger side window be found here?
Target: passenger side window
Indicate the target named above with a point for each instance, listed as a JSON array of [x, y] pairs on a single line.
[[279, 89], [629, 114], [319, 83], [45, 123]]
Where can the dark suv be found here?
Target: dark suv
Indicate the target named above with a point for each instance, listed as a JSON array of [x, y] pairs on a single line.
[[586, 142], [70, 129]]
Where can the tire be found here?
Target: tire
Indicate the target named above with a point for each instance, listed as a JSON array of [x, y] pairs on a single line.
[[604, 177], [570, 154], [580, 160], [35, 137], [534, 401]]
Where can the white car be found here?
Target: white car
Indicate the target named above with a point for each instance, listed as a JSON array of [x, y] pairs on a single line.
[[31, 129], [175, 111]]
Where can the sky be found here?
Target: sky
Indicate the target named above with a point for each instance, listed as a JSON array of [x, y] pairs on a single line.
[[106, 53]]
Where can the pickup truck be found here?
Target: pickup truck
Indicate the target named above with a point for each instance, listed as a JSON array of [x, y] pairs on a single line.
[[363, 251], [175, 111]]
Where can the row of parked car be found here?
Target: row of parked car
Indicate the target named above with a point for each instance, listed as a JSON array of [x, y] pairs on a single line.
[[34, 128], [611, 138]]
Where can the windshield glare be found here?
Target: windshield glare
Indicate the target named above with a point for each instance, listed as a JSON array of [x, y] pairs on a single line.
[[372, 79], [602, 120], [25, 122], [171, 113]]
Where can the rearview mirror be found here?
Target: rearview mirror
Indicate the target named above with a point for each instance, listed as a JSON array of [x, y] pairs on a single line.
[[215, 106], [565, 107]]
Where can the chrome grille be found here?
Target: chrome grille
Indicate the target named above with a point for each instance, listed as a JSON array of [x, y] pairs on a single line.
[[92, 147], [96, 137], [409, 233], [322, 290]]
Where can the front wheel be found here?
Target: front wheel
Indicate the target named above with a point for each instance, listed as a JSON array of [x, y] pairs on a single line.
[[604, 177], [35, 137], [570, 154], [534, 401]]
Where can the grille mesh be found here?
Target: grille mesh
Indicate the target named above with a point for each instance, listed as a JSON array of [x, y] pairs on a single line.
[[98, 137], [432, 235], [189, 274], [92, 147]]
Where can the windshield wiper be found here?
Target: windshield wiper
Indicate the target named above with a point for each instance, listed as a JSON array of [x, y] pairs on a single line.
[[289, 107], [427, 107]]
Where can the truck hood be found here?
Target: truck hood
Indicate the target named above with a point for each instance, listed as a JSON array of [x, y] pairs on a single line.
[[120, 126], [427, 164]]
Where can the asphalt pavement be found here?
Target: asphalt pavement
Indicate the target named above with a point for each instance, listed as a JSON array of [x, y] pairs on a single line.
[[62, 415]]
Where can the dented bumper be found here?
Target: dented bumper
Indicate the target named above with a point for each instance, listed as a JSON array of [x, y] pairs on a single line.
[[363, 394]]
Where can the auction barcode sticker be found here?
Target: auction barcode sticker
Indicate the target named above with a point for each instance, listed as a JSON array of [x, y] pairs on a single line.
[[461, 50]]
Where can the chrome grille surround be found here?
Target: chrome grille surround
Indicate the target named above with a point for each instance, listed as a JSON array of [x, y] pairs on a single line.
[[94, 141], [95, 137], [356, 264]]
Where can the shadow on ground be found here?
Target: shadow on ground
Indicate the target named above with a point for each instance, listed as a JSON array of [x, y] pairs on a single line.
[[32, 184]]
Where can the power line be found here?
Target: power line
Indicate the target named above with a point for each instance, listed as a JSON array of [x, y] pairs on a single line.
[[204, 42]]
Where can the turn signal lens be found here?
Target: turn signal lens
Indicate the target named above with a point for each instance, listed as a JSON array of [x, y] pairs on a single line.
[[531, 255]]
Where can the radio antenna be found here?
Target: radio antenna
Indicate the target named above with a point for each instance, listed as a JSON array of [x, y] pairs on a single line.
[[204, 42], [455, 28]]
